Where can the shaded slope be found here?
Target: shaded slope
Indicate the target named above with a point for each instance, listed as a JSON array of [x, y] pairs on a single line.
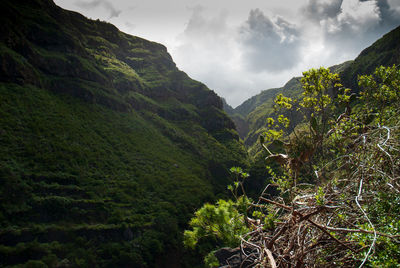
[[252, 113], [251, 104], [256, 118], [106, 147], [385, 51]]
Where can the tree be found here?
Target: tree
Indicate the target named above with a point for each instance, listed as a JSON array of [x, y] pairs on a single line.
[[381, 91], [350, 217], [220, 224], [306, 143]]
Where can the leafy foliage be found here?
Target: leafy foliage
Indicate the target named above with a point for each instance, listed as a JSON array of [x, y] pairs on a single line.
[[349, 216], [307, 142], [221, 224], [380, 93]]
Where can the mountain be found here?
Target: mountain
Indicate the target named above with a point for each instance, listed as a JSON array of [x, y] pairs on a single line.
[[227, 108], [250, 116], [385, 51], [322, 164], [106, 148]]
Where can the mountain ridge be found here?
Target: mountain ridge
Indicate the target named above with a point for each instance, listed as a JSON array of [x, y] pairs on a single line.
[[106, 147], [250, 116]]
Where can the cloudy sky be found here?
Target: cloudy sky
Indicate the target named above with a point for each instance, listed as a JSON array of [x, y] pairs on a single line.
[[238, 48]]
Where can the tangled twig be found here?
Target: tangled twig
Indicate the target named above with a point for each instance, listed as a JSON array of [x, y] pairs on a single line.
[[306, 233]]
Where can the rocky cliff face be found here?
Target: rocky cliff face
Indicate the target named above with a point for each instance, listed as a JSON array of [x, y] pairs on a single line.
[[106, 147], [63, 51]]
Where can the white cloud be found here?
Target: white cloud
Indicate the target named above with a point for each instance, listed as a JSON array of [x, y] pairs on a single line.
[[214, 52], [355, 25], [113, 12], [269, 44], [240, 48]]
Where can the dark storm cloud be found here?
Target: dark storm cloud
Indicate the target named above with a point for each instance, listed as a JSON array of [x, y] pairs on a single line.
[[317, 9], [351, 25], [269, 45], [390, 16], [96, 3]]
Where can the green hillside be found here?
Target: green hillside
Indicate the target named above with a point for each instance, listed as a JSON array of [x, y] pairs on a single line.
[[106, 148], [250, 116], [385, 51]]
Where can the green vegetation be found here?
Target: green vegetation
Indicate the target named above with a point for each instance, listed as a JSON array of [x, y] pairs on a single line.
[[385, 52], [348, 214], [86, 172], [250, 116], [106, 148], [221, 224]]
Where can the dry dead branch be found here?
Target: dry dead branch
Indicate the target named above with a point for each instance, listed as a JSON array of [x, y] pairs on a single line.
[[307, 233]]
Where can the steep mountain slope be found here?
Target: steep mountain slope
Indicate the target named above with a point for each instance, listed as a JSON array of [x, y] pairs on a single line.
[[106, 148], [385, 51], [250, 116], [256, 116], [251, 104], [227, 108]]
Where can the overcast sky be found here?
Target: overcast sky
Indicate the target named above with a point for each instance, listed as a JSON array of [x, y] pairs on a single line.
[[239, 48]]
